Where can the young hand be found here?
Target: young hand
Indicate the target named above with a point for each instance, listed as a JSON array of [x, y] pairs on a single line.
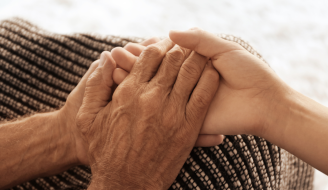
[[249, 89]]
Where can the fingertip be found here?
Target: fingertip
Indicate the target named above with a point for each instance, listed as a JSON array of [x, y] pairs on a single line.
[[174, 34], [134, 48], [119, 75], [221, 139], [188, 38], [204, 43], [116, 52], [123, 58]]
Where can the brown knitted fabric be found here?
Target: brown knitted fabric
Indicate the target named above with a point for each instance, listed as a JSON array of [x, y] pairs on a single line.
[[38, 69]]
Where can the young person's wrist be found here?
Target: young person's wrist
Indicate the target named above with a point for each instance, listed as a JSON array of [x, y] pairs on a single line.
[[279, 114]]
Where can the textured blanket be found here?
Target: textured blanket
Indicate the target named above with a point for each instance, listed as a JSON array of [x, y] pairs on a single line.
[[38, 69]]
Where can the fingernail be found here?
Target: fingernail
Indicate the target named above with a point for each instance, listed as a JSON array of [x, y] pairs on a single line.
[[103, 59]]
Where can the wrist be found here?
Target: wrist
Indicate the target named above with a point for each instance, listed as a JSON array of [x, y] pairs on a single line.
[[279, 113], [112, 178], [65, 123], [109, 184], [288, 112], [32, 147], [65, 150]]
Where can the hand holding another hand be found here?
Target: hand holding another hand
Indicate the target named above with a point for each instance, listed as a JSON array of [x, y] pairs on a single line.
[[126, 57], [249, 90], [141, 137]]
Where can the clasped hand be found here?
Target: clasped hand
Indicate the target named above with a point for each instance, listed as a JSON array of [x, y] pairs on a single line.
[[140, 133], [140, 136]]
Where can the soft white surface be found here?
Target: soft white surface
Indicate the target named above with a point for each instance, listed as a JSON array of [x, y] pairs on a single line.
[[292, 35]]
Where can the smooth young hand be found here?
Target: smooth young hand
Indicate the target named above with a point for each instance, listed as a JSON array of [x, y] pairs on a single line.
[[252, 99]]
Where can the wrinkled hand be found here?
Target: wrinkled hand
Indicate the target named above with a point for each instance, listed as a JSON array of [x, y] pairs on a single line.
[[249, 90], [67, 118], [141, 137], [125, 59], [67, 114]]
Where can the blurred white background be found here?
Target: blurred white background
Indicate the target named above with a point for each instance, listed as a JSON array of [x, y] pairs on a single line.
[[291, 35]]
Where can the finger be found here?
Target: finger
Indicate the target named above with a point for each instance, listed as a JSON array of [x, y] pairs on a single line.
[[98, 90], [147, 64], [209, 140], [134, 48], [188, 76], [78, 91], [123, 58], [150, 41], [204, 43], [171, 64], [137, 48], [202, 95], [119, 75]]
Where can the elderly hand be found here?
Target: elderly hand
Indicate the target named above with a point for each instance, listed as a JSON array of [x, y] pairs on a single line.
[[67, 118], [141, 137], [67, 114], [125, 59]]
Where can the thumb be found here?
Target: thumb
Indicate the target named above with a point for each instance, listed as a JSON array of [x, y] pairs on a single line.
[[204, 43], [100, 84]]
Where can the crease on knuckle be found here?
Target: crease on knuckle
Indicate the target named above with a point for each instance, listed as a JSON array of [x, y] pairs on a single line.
[[202, 98], [189, 71], [174, 57], [153, 51]]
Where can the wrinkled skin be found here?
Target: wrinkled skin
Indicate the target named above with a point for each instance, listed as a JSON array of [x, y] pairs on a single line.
[[141, 137], [67, 114]]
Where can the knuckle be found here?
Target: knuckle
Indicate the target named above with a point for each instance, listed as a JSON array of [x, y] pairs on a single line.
[[198, 30], [202, 98], [153, 51], [121, 93], [175, 56], [190, 71], [200, 101]]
